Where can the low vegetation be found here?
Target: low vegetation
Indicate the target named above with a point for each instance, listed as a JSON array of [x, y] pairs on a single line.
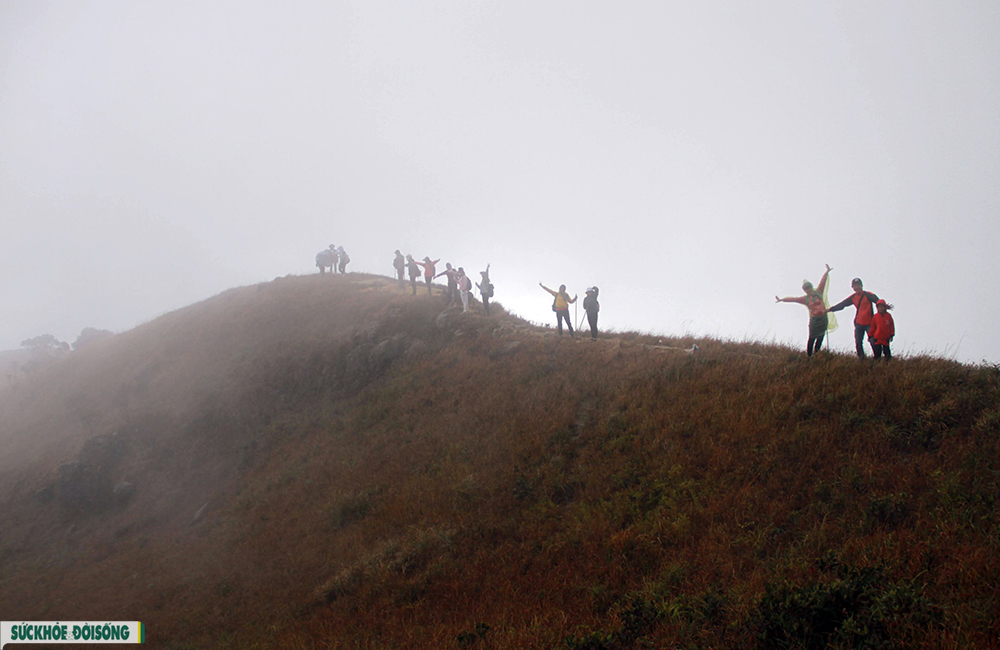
[[328, 462]]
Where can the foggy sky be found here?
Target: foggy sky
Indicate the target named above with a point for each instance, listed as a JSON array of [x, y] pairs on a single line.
[[693, 159]]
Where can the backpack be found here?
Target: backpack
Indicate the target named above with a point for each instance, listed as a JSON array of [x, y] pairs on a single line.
[[489, 290]]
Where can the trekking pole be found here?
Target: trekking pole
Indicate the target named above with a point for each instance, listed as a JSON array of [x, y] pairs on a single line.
[[576, 314]]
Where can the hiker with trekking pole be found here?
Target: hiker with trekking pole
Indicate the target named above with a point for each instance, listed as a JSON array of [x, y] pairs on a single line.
[[561, 307]]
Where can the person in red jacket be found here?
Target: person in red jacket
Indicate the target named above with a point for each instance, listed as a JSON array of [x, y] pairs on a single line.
[[881, 331], [818, 320], [428, 266], [864, 301]]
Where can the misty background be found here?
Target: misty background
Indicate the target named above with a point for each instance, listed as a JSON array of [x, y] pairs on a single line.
[[692, 159]]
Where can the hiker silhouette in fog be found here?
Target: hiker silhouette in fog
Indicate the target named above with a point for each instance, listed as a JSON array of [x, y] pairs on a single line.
[[561, 307], [414, 269], [326, 258], [335, 257], [463, 284], [881, 331], [400, 265], [344, 258], [452, 275], [864, 301], [485, 289], [428, 272], [814, 302], [591, 306]]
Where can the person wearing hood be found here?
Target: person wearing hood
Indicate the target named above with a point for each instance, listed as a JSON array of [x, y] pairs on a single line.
[[814, 302], [485, 289], [592, 307], [561, 307], [344, 258]]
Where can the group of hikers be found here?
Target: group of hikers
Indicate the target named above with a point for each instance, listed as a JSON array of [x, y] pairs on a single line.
[[459, 284], [459, 287], [871, 319], [334, 257], [562, 301]]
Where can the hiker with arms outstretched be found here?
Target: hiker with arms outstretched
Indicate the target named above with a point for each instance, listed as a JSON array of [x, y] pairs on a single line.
[[452, 275], [428, 266], [818, 320], [561, 307], [864, 301]]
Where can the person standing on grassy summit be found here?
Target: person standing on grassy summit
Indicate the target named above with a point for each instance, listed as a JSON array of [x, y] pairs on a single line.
[[592, 307], [414, 268], [864, 301], [485, 289], [561, 307], [463, 285], [452, 275], [882, 330], [399, 263], [428, 266], [816, 303]]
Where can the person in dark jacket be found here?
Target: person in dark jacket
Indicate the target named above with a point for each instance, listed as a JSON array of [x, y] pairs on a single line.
[[864, 301], [399, 263], [591, 306], [414, 268]]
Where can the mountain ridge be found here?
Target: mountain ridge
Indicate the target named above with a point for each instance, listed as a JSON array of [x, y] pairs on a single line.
[[330, 462]]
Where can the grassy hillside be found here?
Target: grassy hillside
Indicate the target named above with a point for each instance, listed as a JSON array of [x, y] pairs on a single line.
[[325, 462]]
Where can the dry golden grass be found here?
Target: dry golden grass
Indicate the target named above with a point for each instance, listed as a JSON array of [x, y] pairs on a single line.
[[377, 478]]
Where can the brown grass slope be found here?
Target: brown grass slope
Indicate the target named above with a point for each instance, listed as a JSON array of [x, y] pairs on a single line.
[[326, 462]]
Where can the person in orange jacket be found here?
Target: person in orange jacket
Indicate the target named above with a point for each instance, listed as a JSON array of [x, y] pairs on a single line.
[[881, 331], [864, 301], [818, 320]]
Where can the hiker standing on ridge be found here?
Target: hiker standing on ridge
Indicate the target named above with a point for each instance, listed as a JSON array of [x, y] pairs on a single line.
[[400, 265], [429, 272], [561, 307], [814, 301], [335, 257], [325, 258], [414, 269], [463, 284], [344, 258], [485, 289], [882, 330], [591, 306], [864, 301], [452, 275]]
